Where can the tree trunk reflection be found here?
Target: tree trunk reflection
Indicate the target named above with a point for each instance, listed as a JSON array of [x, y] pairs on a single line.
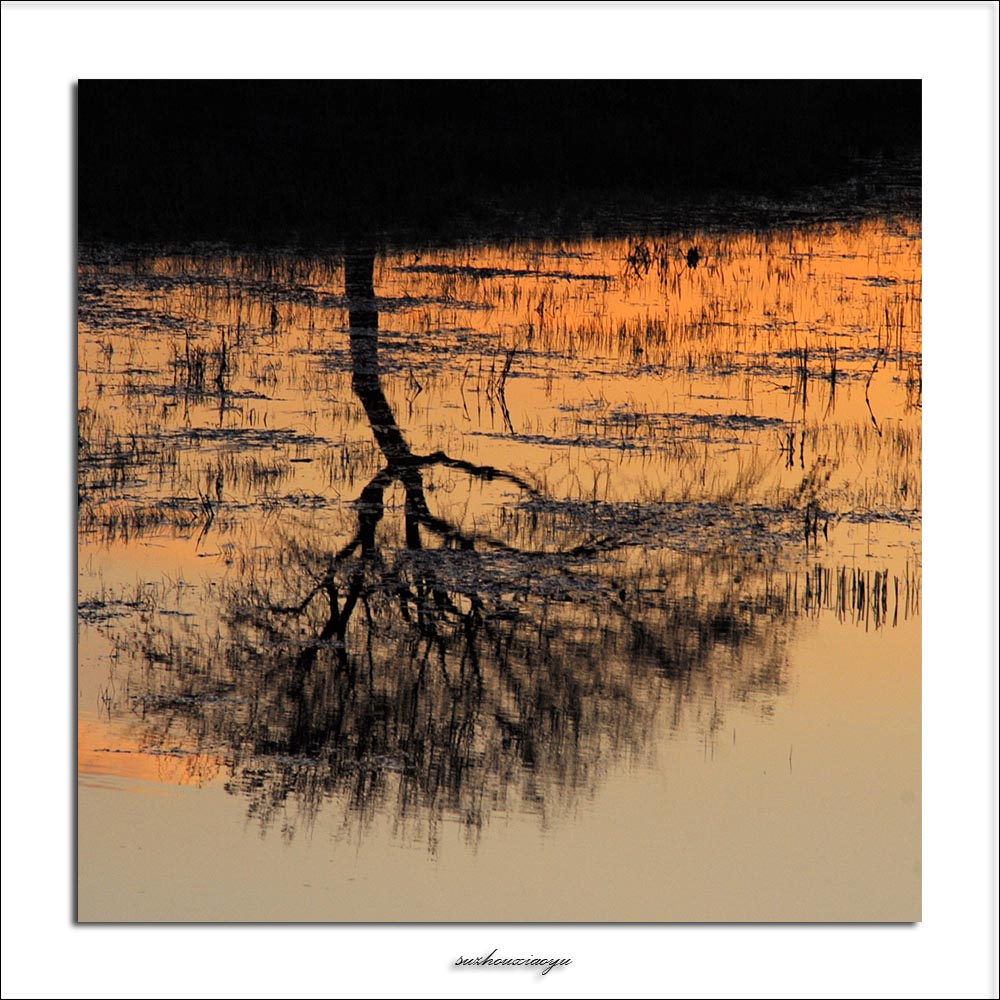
[[442, 672]]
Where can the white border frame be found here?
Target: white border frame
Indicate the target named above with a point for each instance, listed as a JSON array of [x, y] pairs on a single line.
[[952, 47]]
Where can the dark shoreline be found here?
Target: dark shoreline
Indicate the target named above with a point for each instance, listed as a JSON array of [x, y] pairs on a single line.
[[889, 191], [269, 162]]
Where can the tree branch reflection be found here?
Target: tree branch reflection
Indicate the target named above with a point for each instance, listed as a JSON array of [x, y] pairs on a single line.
[[450, 674]]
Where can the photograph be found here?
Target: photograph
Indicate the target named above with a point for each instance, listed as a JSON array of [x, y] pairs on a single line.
[[480, 477]]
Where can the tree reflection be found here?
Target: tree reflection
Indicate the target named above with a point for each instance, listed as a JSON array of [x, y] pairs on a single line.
[[442, 672]]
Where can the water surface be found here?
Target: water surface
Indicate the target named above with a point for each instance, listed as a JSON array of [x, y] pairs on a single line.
[[531, 580]]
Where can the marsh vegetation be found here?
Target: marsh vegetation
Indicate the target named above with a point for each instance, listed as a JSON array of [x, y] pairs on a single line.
[[443, 533]]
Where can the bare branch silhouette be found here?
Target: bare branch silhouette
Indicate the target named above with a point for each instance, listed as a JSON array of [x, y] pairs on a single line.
[[452, 673]]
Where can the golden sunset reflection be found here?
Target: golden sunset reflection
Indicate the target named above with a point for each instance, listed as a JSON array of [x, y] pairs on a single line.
[[418, 546]]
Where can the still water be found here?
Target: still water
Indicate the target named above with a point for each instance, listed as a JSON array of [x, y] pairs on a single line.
[[528, 580]]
